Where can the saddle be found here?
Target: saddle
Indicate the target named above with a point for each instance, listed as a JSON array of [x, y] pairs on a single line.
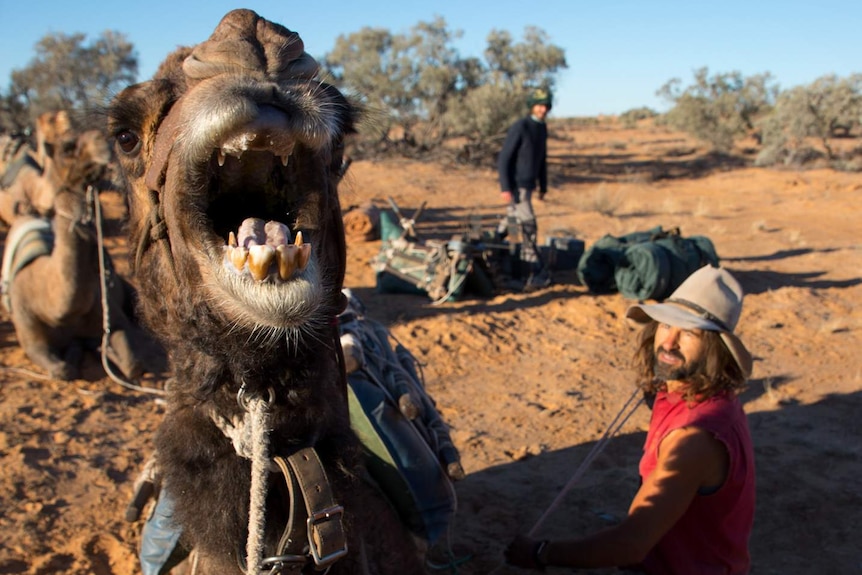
[[26, 242]]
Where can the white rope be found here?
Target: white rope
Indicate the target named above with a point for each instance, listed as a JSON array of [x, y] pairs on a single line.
[[598, 447], [259, 412], [93, 196], [249, 435]]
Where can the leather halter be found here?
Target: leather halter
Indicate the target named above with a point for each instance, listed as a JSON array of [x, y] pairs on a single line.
[[154, 178], [314, 534], [313, 537]]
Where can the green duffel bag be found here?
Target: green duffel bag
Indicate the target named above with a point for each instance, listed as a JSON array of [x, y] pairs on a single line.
[[400, 461], [654, 269], [643, 272], [598, 265]]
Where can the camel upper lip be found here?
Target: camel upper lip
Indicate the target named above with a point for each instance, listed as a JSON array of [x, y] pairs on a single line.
[[268, 132]]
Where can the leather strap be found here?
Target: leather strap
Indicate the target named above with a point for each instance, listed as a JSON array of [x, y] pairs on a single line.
[[323, 531], [164, 143], [154, 178]]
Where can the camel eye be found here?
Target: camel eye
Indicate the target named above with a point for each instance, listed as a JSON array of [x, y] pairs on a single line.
[[127, 140]]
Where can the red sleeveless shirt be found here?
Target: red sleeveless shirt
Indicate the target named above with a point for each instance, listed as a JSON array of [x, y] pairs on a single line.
[[712, 535]]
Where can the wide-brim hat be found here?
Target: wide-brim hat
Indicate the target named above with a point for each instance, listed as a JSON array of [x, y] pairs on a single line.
[[709, 299]]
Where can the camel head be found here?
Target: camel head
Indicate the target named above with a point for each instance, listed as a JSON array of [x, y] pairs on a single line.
[[77, 160], [52, 130], [79, 164], [231, 155]]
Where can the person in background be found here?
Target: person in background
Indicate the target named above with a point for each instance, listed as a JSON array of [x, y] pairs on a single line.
[[694, 510], [523, 169]]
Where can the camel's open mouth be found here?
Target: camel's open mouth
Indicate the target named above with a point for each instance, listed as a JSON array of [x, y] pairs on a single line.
[[260, 202], [255, 212]]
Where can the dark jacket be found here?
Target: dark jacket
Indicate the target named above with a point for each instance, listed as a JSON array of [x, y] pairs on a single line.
[[523, 160]]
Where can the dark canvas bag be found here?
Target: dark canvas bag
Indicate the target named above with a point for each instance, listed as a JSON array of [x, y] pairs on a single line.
[[406, 457]]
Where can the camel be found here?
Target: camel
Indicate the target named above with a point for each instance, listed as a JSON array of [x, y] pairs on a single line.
[[30, 176], [51, 280], [232, 156]]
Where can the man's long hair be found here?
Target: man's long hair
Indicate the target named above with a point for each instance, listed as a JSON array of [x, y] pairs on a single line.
[[718, 373]]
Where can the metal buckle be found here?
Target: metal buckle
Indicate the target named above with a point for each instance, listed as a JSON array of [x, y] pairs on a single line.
[[277, 563], [334, 512]]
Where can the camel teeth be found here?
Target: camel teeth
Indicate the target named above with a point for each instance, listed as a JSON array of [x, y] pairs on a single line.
[[221, 158], [238, 257], [259, 260], [298, 240], [284, 160], [231, 240], [287, 260], [304, 255]]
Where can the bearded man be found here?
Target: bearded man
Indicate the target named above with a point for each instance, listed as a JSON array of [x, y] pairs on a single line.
[[694, 510]]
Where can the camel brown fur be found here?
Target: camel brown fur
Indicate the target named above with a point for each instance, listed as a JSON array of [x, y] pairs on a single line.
[[228, 135], [52, 277], [30, 177]]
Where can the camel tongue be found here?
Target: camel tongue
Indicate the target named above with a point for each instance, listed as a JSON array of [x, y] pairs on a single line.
[[254, 232]]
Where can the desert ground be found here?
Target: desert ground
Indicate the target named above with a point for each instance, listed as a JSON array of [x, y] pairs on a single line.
[[528, 382]]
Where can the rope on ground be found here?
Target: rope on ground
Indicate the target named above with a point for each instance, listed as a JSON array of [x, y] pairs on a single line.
[[106, 319], [452, 562], [616, 424], [26, 372], [631, 405]]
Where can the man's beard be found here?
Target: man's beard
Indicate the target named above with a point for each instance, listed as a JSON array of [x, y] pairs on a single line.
[[684, 372]]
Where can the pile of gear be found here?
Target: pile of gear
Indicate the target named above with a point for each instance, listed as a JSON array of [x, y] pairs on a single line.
[[477, 261], [641, 265]]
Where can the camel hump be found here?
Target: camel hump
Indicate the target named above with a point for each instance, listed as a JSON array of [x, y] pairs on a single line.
[[245, 41]]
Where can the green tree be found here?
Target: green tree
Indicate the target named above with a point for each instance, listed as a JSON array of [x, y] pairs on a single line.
[[828, 108], [404, 79], [69, 74], [719, 109], [422, 94]]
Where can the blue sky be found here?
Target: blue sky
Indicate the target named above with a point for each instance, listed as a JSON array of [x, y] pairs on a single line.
[[619, 52]]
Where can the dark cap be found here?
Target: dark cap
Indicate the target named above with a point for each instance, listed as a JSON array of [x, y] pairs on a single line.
[[540, 96]]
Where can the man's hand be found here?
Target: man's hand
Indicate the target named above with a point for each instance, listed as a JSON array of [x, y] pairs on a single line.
[[521, 552], [507, 196]]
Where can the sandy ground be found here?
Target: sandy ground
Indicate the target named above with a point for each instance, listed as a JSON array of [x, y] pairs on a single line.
[[528, 382]]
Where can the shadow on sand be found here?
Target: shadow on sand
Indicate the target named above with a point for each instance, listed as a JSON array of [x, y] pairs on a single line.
[[809, 491]]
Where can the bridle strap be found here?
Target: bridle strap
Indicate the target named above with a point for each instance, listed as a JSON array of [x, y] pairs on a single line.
[[321, 538], [166, 135], [154, 179], [157, 229]]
